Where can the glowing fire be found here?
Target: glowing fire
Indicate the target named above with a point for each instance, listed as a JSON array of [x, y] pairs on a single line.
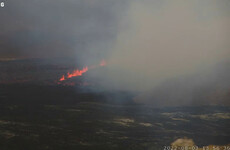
[[75, 73], [62, 78], [78, 72]]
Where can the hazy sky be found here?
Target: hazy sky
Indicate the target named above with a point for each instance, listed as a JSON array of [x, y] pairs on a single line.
[[165, 39], [55, 28], [145, 42]]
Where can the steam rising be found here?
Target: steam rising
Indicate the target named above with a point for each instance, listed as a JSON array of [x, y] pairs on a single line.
[[170, 54], [166, 43], [152, 47]]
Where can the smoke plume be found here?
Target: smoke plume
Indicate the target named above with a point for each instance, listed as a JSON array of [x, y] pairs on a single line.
[[174, 46]]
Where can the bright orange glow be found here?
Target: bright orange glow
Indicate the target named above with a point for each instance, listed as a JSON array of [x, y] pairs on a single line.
[[77, 72], [62, 78]]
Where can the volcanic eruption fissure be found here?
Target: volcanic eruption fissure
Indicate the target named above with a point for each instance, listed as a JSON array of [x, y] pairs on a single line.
[[78, 72]]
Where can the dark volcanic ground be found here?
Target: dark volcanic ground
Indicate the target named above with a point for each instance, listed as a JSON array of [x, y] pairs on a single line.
[[53, 118], [56, 117]]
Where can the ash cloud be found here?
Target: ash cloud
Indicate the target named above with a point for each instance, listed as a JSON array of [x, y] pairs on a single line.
[[170, 52], [57, 28], [156, 48]]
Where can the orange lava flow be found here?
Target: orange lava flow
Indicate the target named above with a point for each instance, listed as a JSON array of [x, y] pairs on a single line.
[[78, 72], [75, 73], [62, 78]]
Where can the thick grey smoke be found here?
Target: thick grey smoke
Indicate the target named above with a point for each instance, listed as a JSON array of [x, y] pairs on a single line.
[[166, 43], [170, 50], [150, 46], [58, 28]]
